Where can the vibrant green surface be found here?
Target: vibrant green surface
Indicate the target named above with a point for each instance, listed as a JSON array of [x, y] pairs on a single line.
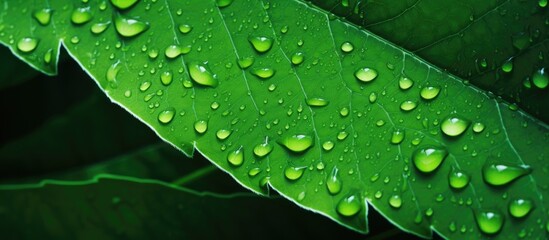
[[471, 39], [343, 127]]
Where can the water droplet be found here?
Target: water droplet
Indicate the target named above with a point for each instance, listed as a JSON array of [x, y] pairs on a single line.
[[236, 157], [478, 127], [519, 208], [297, 58], [347, 47], [366, 74], [328, 145], [294, 173], [201, 74], [253, 172], [373, 97], [263, 149], [344, 112], [201, 126], [342, 135], [27, 44], [349, 206], [507, 65], [297, 143], [81, 15], [263, 73], [129, 27], [489, 222], [454, 125], [223, 134], [429, 92], [261, 44], [395, 201], [98, 28], [223, 3], [333, 183], [166, 116], [144, 86], [502, 174], [452, 227], [185, 28], [123, 4], [398, 136], [245, 62], [408, 105], [43, 16], [317, 102], [542, 3], [166, 78], [458, 179], [48, 56], [112, 73], [540, 78], [429, 158], [405, 83]]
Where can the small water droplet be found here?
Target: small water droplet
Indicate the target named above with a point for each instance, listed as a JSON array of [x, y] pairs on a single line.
[[502, 174], [166, 78], [342, 135], [48, 56], [328, 145], [27, 44], [317, 102], [478, 127], [223, 3], [81, 15], [347, 47], [344, 112], [263, 73], [540, 78], [333, 183], [185, 28], [297, 58], [112, 73], [520, 207], [429, 92], [123, 4], [245, 62], [427, 159], [489, 222], [253, 172], [201, 74], [507, 66], [166, 116], [263, 149], [223, 134], [398, 136], [408, 105], [458, 179], [129, 27], [373, 97], [98, 28], [236, 157], [454, 125], [43, 16], [201, 126], [366, 74], [294, 173], [261, 44], [297, 143], [405, 83], [349, 206], [395, 201]]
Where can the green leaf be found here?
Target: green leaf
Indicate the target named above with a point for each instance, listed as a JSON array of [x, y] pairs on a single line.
[[278, 103], [471, 39]]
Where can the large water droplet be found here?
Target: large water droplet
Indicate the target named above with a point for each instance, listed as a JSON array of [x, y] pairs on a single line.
[[263, 149], [201, 126], [333, 183], [502, 174], [489, 222], [123, 4], [98, 28], [297, 143], [263, 73], [166, 78], [201, 74], [507, 66], [261, 44], [540, 78], [223, 134], [429, 158], [395, 201], [365, 74], [458, 179], [81, 15], [297, 58], [347, 47], [542, 3], [166, 116], [405, 83], [27, 44], [294, 173], [478, 127], [454, 125], [43, 16], [245, 62], [328, 145], [349, 206], [185, 28], [129, 27], [398, 136], [429, 92], [408, 105], [223, 3], [317, 102], [520, 207], [236, 157]]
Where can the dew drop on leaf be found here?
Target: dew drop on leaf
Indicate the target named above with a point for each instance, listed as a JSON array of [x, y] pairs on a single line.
[[454, 125], [342, 135], [344, 112], [253, 172], [347, 47], [166, 116], [297, 58], [540, 78], [317, 102], [261, 44], [489, 222], [294, 173], [263, 149], [365, 74], [328, 145], [333, 183], [236, 157], [297, 143], [458, 179], [166, 78], [98, 28], [349, 206], [245, 62], [222, 134], [502, 174], [398, 136], [520, 207], [81, 15], [373, 97], [405, 83], [263, 73], [395, 201], [201, 126], [144, 86], [201, 74], [48, 56], [123, 4], [408, 105], [428, 158], [129, 27], [43, 16], [223, 3], [542, 3], [112, 73], [478, 127], [429, 92], [185, 28], [27, 44], [507, 66]]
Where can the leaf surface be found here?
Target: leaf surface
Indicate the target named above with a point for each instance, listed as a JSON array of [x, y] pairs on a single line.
[[357, 122]]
